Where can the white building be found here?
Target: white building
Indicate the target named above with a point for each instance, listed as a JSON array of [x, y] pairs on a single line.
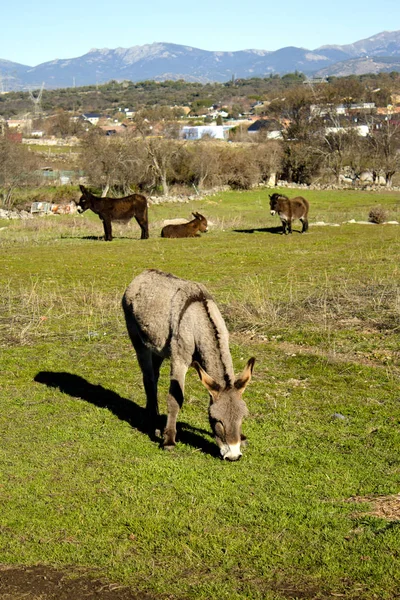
[[218, 132]]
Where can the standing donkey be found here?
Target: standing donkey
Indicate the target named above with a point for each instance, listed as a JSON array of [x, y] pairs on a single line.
[[288, 210], [116, 209], [168, 317]]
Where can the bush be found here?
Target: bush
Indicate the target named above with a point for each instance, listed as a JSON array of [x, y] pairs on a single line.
[[240, 169], [377, 215]]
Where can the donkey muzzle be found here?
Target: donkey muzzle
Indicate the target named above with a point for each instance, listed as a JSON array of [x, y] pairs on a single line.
[[273, 212], [231, 452]]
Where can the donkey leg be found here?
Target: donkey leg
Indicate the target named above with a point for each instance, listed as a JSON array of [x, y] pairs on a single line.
[[304, 222], [289, 226], [107, 230], [142, 222], [174, 401], [150, 380]]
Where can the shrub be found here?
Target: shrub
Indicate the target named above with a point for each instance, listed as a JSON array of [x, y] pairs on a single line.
[[377, 215]]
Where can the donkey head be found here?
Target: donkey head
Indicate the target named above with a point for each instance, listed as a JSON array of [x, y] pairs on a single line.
[[273, 202], [227, 410], [202, 222], [84, 201]]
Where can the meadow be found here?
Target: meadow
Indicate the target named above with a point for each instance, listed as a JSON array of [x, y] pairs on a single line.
[[312, 510]]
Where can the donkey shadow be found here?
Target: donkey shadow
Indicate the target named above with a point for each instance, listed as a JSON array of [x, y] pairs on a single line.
[[274, 230], [96, 238], [126, 410]]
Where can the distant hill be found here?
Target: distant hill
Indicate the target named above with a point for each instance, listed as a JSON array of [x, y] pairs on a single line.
[[11, 75], [359, 66], [161, 61]]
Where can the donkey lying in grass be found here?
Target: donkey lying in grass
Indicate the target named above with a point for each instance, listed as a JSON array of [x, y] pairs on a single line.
[[189, 229], [288, 210], [116, 209], [168, 317]]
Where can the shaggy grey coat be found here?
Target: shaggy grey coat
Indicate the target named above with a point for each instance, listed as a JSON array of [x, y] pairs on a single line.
[[168, 317]]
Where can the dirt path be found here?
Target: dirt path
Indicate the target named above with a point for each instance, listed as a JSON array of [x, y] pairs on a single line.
[[45, 583]]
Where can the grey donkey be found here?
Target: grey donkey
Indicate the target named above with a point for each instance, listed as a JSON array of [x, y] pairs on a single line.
[[168, 317]]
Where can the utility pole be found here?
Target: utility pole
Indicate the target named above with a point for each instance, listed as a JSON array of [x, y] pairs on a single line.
[[37, 100]]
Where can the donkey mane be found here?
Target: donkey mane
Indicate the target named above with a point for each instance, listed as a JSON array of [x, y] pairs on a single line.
[[228, 377]]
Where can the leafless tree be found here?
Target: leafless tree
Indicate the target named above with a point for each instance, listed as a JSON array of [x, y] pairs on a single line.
[[17, 166], [205, 163], [111, 162], [384, 148], [160, 148]]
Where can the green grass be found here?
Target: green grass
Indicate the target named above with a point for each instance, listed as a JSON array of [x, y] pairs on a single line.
[[81, 485]]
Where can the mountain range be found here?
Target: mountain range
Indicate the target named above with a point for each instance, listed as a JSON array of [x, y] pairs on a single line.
[[161, 61]]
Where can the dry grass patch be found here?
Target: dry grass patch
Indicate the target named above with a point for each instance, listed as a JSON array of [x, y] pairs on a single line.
[[384, 507], [45, 311], [373, 305]]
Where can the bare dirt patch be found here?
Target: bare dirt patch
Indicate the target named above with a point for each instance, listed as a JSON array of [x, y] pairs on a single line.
[[46, 583]]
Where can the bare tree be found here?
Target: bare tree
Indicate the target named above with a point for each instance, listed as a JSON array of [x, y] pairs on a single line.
[[111, 162], [269, 158], [17, 166], [296, 108], [384, 148], [205, 163], [160, 149]]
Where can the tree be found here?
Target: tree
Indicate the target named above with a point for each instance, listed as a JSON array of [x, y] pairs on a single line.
[[300, 161], [269, 158], [17, 165], [384, 146], [205, 158], [239, 169], [334, 151], [296, 108], [159, 151], [111, 162]]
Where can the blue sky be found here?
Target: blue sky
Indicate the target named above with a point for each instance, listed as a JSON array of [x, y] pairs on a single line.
[[34, 32]]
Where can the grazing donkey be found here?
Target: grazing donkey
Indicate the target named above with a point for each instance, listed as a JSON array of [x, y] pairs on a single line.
[[116, 209], [168, 317], [288, 210], [189, 229]]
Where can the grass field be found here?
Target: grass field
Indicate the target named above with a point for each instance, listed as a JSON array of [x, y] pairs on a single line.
[[311, 510]]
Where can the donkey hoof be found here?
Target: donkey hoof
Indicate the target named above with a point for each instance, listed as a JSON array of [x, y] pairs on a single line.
[[168, 447]]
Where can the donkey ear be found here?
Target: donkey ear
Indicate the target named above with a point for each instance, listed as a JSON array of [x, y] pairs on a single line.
[[243, 379], [212, 386], [83, 190], [196, 216]]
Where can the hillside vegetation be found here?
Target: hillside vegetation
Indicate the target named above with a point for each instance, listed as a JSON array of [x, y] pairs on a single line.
[[114, 95]]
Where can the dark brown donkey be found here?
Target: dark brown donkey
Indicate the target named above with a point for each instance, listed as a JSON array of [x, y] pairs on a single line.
[[116, 209], [288, 210], [189, 229]]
